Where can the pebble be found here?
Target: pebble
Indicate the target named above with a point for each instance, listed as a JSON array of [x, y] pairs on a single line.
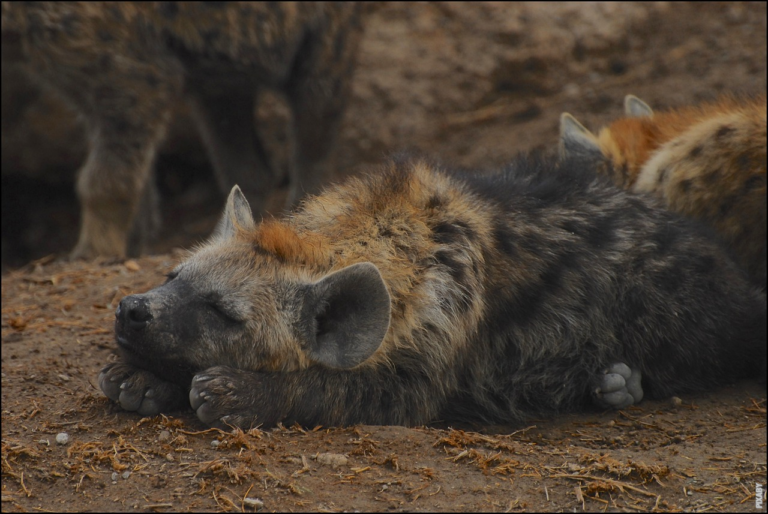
[[164, 436], [675, 401], [571, 90], [215, 443], [62, 438], [114, 476], [253, 503], [126, 474]]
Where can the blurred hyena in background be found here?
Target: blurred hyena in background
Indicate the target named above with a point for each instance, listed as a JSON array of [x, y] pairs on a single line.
[[121, 65], [707, 162]]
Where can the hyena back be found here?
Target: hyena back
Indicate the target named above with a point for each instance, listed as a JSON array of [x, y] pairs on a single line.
[[414, 294], [122, 64], [707, 162]]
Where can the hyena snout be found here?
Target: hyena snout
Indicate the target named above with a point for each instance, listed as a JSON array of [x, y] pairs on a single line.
[[133, 314]]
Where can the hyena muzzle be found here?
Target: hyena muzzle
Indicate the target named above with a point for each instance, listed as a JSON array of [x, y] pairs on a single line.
[[414, 294], [122, 65]]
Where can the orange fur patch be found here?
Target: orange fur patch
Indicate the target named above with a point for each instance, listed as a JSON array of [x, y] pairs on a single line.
[[631, 141], [287, 245]]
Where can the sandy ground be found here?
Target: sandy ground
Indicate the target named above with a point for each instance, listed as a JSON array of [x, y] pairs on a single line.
[[468, 84]]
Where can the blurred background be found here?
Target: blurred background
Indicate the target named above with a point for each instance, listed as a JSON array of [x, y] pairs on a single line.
[[470, 84]]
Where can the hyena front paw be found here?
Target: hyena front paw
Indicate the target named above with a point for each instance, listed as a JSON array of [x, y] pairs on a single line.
[[224, 397], [139, 390], [618, 387]]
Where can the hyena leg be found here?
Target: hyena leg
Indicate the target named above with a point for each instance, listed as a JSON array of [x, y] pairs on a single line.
[[110, 187], [139, 390], [147, 220], [225, 114], [224, 396], [618, 387], [317, 92], [127, 112]]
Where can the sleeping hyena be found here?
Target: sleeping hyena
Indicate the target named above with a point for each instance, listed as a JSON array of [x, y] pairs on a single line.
[[414, 293], [121, 65], [706, 162]]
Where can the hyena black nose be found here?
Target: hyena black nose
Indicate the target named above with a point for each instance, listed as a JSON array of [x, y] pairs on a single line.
[[133, 312]]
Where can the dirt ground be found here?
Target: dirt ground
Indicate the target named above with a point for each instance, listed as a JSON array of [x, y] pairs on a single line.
[[468, 84]]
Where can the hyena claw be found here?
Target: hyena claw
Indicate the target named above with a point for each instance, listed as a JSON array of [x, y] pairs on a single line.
[[139, 390], [206, 395], [224, 397], [619, 387]]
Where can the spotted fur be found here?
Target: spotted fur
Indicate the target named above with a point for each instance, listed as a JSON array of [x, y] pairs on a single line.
[[707, 162]]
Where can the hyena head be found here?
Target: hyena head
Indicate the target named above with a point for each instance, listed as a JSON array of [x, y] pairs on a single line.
[[240, 301], [618, 150]]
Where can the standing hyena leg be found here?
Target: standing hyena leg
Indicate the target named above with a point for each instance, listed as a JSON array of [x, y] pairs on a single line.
[[110, 187], [226, 118], [317, 91], [127, 112]]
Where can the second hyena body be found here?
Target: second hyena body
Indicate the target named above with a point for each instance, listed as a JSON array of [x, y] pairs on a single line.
[[415, 294], [123, 64], [707, 162]]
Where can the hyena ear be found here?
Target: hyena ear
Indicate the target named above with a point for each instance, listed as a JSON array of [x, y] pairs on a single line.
[[345, 316], [575, 139], [636, 108], [237, 216]]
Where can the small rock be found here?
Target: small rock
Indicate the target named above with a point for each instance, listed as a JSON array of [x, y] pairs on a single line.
[[114, 476], [126, 474], [571, 90], [132, 265], [675, 401], [332, 459], [215, 443], [62, 438], [169, 457], [253, 503], [164, 436]]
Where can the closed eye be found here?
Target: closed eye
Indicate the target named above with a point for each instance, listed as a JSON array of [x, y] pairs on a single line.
[[170, 276], [222, 311]]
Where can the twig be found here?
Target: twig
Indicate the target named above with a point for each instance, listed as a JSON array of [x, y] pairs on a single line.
[[615, 483]]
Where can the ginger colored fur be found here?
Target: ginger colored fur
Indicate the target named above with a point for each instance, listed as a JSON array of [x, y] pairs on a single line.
[[630, 142], [707, 162]]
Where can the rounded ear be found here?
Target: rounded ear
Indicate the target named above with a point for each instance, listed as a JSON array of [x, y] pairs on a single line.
[[345, 316], [636, 108], [575, 139], [237, 216]]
